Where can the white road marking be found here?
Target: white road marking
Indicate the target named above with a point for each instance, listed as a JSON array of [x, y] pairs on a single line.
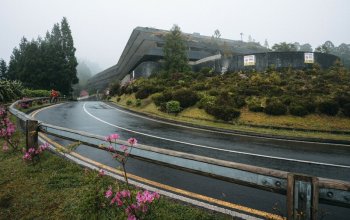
[[222, 132], [212, 148]]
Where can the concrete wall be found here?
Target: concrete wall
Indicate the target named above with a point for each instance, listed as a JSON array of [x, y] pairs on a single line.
[[266, 60]]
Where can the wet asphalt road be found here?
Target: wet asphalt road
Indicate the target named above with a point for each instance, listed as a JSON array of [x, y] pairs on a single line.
[[226, 147]]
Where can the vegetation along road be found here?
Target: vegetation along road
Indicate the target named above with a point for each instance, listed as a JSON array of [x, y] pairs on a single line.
[[325, 160]]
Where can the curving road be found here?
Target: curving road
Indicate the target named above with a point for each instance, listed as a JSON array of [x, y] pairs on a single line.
[[323, 160]]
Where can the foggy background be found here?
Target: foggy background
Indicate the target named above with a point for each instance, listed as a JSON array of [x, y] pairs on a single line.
[[101, 28]]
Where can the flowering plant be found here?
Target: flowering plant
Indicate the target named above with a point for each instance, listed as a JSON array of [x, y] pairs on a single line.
[[7, 130], [32, 154], [136, 206]]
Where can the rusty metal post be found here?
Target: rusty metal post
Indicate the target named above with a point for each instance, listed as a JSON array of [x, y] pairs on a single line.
[[31, 134], [302, 197]]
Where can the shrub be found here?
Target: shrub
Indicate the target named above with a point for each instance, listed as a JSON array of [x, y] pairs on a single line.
[[310, 106], [346, 109], [142, 93], [223, 112], [200, 86], [205, 70], [298, 110], [206, 101], [147, 90], [343, 100], [138, 102], [173, 107], [10, 90], [114, 88], [186, 97], [213, 92], [255, 107], [163, 97], [129, 102], [328, 107], [239, 101], [275, 107], [118, 99], [36, 93]]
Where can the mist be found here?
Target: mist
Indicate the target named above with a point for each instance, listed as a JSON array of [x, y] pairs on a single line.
[[101, 28]]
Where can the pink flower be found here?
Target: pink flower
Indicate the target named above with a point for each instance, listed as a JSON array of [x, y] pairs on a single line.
[[132, 141], [27, 156], [146, 197], [107, 138], [5, 147], [114, 136], [124, 148], [110, 148], [132, 217], [116, 199], [101, 172], [109, 192], [44, 146], [125, 193]]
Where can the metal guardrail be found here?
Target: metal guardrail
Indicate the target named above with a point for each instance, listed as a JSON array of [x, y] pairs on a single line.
[[303, 192]]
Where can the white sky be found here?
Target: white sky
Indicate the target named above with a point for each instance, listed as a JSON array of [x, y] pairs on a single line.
[[101, 28]]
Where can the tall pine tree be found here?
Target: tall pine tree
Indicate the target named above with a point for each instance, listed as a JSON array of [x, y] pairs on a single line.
[[174, 50], [47, 63], [3, 69]]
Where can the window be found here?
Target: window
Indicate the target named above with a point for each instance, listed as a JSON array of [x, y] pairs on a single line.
[[309, 57], [249, 60]]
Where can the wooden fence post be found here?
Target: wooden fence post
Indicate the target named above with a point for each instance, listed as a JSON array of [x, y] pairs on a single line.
[[31, 134], [302, 197]]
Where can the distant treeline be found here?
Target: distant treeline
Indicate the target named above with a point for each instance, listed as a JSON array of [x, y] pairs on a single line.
[[46, 63]]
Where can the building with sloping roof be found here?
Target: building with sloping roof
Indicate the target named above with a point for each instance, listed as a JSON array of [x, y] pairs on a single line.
[[144, 52]]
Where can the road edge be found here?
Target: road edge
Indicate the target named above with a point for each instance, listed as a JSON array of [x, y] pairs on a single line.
[[253, 134]]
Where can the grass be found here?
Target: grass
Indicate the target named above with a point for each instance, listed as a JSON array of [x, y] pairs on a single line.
[[251, 122], [59, 189]]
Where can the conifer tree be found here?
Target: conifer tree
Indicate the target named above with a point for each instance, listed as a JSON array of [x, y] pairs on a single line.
[[3, 69], [175, 52]]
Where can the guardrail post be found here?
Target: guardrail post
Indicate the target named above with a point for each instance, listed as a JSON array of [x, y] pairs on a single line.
[[302, 197], [31, 134]]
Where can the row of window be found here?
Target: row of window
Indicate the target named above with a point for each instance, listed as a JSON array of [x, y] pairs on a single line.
[[249, 60]]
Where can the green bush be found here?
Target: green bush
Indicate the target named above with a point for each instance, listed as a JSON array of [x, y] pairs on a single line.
[[346, 109], [200, 86], [255, 107], [343, 100], [129, 102], [213, 92], [36, 93], [255, 104], [298, 110], [10, 90], [118, 99], [142, 93], [275, 107], [328, 107], [163, 97], [114, 88], [186, 97], [138, 102], [205, 70], [223, 112], [147, 90], [310, 106], [207, 100], [239, 101], [173, 107]]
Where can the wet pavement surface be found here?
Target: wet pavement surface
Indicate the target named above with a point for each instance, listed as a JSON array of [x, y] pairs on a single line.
[[84, 116]]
